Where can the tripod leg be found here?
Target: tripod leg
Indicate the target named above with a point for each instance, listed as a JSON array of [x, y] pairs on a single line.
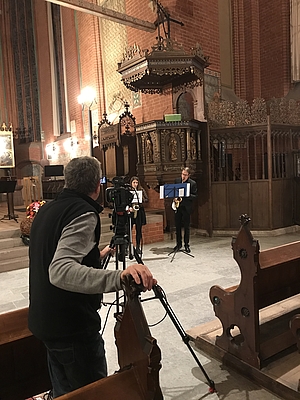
[[106, 261], [119, 307], [173, 256], [122, 252], [174, 252], [159, 294]]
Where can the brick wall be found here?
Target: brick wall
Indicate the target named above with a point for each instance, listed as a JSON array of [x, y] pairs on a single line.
[[154, 201], [200, 19], [275, 49], [260, 44], [43, 64], [72, 66], [153, 231], [261, 49]]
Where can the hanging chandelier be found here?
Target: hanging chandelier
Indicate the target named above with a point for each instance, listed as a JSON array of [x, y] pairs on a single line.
[[166, 64]]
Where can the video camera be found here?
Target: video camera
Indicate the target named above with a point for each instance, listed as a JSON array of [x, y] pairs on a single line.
[[119, 194]]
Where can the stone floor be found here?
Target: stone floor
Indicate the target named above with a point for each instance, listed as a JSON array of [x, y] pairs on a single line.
[[186, 281]]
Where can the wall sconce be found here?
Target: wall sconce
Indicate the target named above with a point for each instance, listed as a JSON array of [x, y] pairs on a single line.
[[86, 99], [70, 146], [51, 151], [74, 142]]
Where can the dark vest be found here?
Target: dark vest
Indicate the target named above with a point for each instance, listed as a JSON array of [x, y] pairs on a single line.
[[56, 313]]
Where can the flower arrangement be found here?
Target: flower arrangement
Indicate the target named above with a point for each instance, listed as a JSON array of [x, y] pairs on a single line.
[[25, 225], [33, 208]]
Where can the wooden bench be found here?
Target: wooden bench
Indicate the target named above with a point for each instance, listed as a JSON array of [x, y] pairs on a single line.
[[267, 277], [24, 370], [23, 358], [295, 328]]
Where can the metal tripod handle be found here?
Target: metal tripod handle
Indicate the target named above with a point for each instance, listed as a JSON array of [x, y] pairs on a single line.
[[158, 291]]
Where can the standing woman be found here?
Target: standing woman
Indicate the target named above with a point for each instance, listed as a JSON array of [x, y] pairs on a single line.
[[139, 215]]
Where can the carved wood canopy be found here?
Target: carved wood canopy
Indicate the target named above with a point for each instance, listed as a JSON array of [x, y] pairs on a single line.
[[127, 122], [108, 135], [150, 72]]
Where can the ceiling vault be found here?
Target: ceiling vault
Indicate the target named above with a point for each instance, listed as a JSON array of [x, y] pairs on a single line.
[[103, 12]]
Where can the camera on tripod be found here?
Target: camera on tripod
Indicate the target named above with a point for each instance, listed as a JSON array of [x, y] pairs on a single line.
[[119, 194], [120, 197]]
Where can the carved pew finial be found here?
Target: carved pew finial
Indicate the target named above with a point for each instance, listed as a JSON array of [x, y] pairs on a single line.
[[244, 219]]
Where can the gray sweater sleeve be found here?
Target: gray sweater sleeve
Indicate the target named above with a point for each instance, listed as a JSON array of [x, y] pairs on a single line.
[[67, 272]]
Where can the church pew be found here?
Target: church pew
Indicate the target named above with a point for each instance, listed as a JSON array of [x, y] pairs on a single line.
[[23, 363], [295, 328], [267, 277], [23, 358]]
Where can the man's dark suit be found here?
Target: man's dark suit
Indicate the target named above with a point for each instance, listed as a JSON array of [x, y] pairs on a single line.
[[183, 213]]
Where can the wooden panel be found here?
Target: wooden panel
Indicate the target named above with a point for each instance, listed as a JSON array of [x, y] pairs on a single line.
[[280, 254], [219, 205], [52, 187], [260, 205], [287, 205], [32, 189], [281, 376], [295, 328], [267, 277], [231, 199], [282, 199], [110, 158], [238, 202], [296, 200], [23, 358], [122, 385]]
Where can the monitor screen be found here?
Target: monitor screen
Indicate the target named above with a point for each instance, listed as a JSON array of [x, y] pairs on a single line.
[[53, 170]]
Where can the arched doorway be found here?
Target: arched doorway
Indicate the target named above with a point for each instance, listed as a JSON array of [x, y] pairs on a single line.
[[185, 106]]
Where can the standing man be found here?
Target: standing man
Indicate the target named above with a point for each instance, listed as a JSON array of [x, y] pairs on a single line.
[[66, 281], [183, 211]]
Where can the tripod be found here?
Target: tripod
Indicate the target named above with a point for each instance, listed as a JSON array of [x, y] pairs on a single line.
[[159, 294], [176, 250], [181, 218], [120, 242]]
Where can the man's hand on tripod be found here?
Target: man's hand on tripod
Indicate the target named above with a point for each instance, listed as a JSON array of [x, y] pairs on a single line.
[[107, 251], [140, 274]]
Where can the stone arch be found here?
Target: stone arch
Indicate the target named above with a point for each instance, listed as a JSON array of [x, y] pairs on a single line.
[[197, 94], [185, 105]]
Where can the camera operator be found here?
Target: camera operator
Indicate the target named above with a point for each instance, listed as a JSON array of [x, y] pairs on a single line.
[[138, 211], [66, 282]]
